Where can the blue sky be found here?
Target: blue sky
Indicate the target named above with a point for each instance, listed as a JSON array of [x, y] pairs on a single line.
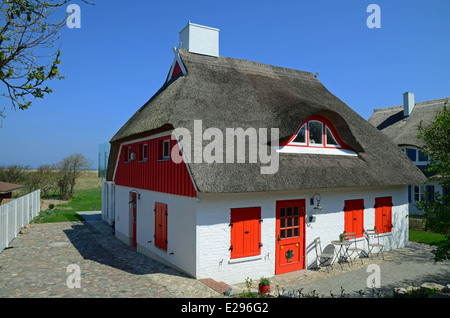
[[123, 51]]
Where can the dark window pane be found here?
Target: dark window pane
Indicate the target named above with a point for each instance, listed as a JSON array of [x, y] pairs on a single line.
[[411, 154], [296, 210], [422, 156], [289, 233], [330, 138], [315, 133], [301, 135], [289, 222], [296, 232], [282, 223], [295, 221], [289, 211], [283, 212], [283, 234]]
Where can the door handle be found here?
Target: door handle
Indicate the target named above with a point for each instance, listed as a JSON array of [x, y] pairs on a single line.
[[278, 239]]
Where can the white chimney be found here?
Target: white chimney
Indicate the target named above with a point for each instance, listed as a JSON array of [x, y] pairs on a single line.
[[408, 103], [200, 39]]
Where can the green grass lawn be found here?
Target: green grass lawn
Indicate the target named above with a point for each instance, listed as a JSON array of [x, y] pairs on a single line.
[[426, 237], [83, 200]]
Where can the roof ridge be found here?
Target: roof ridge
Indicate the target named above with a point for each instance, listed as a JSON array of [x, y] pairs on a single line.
[[427, 102], [258, 67]]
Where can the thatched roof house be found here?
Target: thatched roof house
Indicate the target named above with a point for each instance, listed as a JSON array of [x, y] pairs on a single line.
[[226, 219], [227, 92], [401, 126]]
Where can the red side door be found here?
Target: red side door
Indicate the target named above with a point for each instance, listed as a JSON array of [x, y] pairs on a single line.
[[383, 214], [290, 236], [161, 225]]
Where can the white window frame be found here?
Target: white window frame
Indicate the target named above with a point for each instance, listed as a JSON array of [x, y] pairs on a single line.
[[307, 147], [421, 193], [165, 156], [128, 154], [326, 138], [306, 136], [144, 152], [417, 161]]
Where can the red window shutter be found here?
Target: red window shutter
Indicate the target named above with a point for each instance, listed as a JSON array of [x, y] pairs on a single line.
[[354, 217], [245, 232], [161, 225], [383, 214]]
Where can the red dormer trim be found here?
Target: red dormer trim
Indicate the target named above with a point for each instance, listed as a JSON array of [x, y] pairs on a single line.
[[325, 123]]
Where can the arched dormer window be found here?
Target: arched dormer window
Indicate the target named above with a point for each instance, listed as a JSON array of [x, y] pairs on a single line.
[[316, 135]]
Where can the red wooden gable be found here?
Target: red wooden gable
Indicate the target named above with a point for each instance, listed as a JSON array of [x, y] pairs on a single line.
[[154, 173], [176, 70]]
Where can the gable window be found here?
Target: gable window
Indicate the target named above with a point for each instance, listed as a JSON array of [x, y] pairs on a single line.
[[164, 149], [127, 155], [245, 232], [143, 152], [316, 135]]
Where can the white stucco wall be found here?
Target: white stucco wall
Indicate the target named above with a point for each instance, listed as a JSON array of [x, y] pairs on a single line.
[[181, 221], [199, 232], [213, 233]]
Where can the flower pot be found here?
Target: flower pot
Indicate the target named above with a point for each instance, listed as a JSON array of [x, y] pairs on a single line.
[[264, 289]]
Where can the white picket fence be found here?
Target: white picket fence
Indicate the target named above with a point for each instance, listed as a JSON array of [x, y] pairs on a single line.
[[16, 214]]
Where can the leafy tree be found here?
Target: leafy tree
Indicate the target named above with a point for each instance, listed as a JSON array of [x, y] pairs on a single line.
[[69, 169], [27, 35], [44, 178], [14, 173], [437, 212]]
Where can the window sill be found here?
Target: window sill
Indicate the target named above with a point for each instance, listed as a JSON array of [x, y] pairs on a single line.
[[245, 259], [144, 160]]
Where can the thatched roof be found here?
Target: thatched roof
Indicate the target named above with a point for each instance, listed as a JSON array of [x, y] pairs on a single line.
[[403, 130], [230, 93]]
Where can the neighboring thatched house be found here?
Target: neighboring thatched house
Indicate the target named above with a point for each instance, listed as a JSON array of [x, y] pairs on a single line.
[[400, 124], [229, 216]]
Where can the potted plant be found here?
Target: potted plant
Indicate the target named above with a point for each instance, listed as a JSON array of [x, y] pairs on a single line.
[[264, 285], [341, 237]]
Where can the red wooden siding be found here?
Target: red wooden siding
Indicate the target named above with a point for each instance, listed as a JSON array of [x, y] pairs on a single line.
[[176, 70], [383, 214], [245, 232], [161, 225], [354, 217], [153, 174]]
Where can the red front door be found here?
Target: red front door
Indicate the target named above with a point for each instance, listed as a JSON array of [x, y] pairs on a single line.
[[290, 236]]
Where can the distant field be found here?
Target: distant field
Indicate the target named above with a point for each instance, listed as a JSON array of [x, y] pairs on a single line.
[[88, 180]]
